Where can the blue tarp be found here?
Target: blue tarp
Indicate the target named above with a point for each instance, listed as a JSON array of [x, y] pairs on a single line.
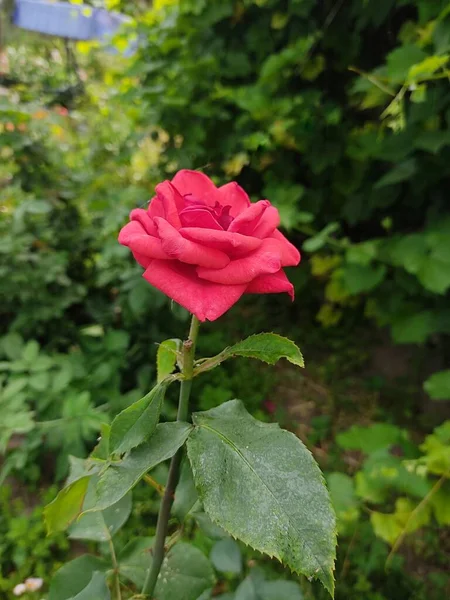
[[70, 21]]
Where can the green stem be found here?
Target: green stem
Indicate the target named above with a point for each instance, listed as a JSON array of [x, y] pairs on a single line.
[[174, 469]]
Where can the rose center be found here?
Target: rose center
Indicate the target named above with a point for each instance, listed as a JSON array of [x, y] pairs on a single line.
[[195, 207]]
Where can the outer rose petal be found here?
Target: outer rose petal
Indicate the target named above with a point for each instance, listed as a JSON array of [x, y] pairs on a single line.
[[271, 284], [141, 216], [197, 184], [290, 256], [264, 260], [178, 247], [227, 241], [156, 208], [269, 221], [149, 246], [131, 229], [231, 194], [172, 201], [144, 261], [207, 301], [134, 236], [246, 221]]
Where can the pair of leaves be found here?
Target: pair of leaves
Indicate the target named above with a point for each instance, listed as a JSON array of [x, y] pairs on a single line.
[[117, 479]]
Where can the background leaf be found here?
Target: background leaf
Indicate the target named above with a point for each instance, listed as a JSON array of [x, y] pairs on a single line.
[[75, 576], [226, 556]]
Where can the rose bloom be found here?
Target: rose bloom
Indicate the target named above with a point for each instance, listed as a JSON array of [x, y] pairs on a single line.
[[205, 246]]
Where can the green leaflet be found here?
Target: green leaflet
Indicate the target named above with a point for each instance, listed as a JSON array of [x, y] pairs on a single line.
[[268, 347], [78, 576], [226, 556], [262, 485], [137, 422], [96, 589], [100, 526], [67, 505], [166, 357], [121, 476]]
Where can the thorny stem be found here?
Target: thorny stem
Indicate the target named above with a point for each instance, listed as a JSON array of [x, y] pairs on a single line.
[[174, 469]]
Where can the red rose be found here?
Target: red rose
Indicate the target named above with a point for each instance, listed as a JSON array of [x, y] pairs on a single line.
[[205, 246]]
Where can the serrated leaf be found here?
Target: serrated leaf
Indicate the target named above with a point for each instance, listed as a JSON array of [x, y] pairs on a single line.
[[262, 485], [137, 422], [438, 385], [185, 575], [121, 476], [226, 556], [166, 358], [67, 505], [73, 577], [267, 347]]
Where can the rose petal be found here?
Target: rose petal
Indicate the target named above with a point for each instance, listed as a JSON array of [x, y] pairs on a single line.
[[207, 301], [141, 216], [290, 256], [271, 284], [142, 260], [156, 208], [231, 243], [178, 247], [231, 194], [270, 219], [197, 184], [130, 230], [265, 259], [247, 220], [134, 236], [172, 201], [195, 216]]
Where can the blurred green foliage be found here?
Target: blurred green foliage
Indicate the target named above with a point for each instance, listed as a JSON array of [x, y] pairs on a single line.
[[339, 113]]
